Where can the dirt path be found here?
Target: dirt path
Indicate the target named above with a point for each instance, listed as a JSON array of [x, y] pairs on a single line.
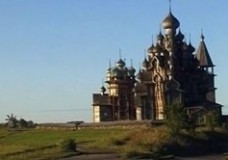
[[105, 156], [112, 156], [209, 157]]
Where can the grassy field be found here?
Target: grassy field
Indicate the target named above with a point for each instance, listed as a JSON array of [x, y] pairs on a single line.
[[30, 144], [41, 144], [46, 144]]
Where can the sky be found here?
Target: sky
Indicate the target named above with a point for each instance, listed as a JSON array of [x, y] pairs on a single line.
[[54, 53]]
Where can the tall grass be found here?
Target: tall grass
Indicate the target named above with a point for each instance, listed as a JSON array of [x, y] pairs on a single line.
[[31, 142], [46, 144], [145, 140]]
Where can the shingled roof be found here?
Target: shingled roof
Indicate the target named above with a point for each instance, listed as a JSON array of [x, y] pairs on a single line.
[[202, 54]]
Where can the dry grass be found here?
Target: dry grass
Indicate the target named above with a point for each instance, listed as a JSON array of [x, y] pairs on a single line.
[[139, 141], [45, 144]]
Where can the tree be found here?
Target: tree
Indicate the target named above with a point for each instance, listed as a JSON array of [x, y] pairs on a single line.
[[212, 119], [11, 121], [68, 145], [31, 124], [22, 123], [176, 118]]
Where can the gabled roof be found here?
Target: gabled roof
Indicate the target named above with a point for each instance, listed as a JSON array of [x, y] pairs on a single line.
[[202, 54]]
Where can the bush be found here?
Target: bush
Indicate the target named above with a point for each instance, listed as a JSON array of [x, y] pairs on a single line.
[[118, 142], [121, 140], [176, 118], [68, 145], [212, 119], [225, 126]]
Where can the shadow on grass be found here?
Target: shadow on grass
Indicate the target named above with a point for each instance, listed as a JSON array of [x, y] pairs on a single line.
[[29, 150], [190, 146]]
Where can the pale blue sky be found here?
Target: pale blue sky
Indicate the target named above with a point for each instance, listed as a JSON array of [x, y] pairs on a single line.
[[54, 53]]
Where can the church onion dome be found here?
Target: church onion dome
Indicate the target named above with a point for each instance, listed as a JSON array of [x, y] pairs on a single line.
[[160, 37], [103, 90], [180, 36], [131, 71], [124, 72], [120, 63], [139, 75], [109, 70], [190, 48], [170, 22], [109, 73], [145, 63], [150, 49], [115, 72], [157, 48]]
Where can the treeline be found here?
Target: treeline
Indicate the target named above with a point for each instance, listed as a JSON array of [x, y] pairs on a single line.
[[13, 122], [177, 119]]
